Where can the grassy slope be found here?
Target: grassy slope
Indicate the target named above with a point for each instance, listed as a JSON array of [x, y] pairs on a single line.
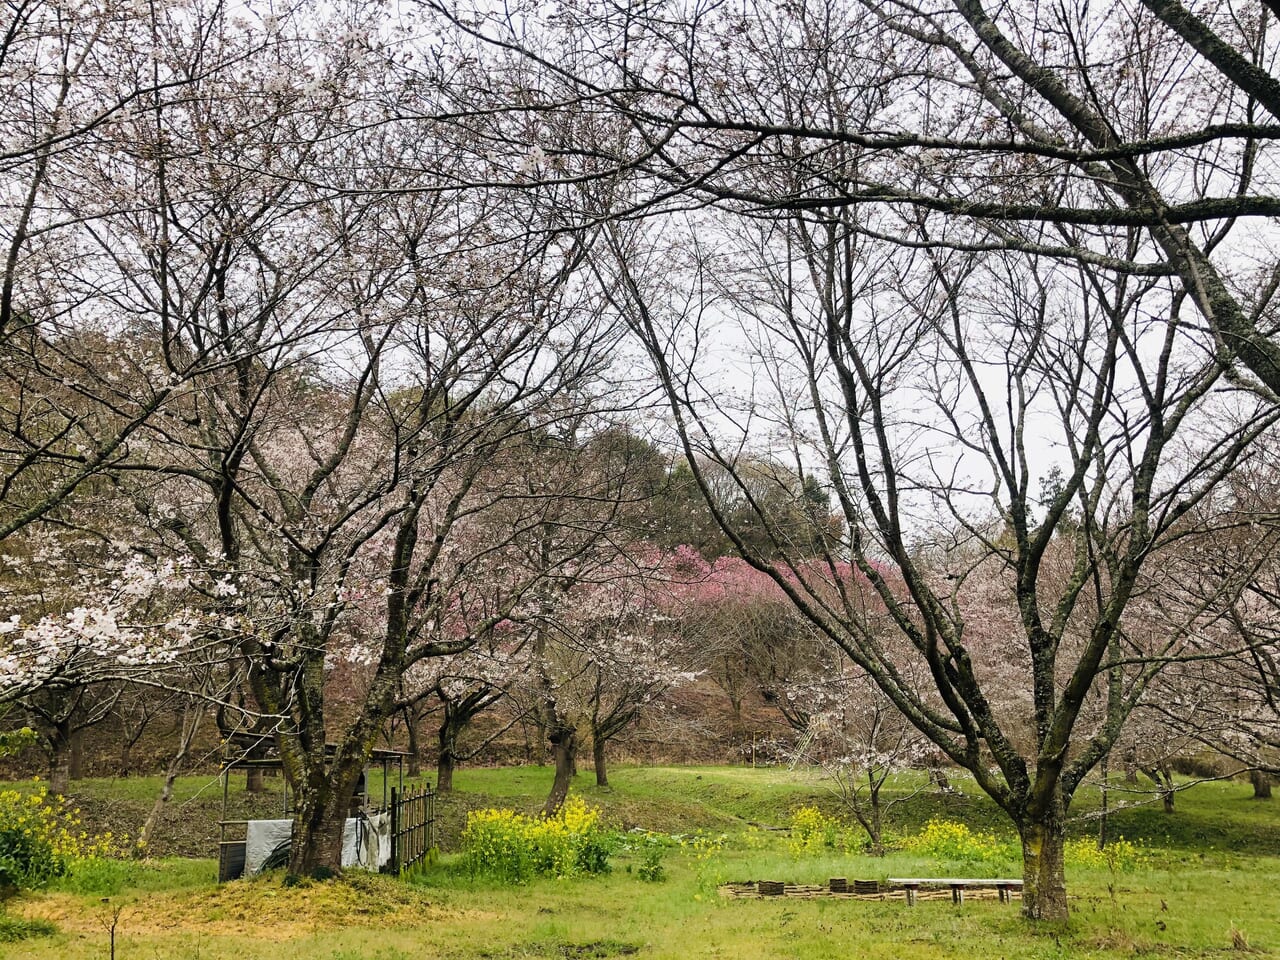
[[1214, 867]]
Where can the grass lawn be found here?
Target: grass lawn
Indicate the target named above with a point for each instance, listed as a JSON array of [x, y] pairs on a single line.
[[1207, 888]]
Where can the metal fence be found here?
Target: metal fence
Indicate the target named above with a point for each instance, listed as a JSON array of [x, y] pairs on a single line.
[[413, 818]]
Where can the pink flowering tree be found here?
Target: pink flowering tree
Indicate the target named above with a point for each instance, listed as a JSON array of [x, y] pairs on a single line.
[[607, 642]]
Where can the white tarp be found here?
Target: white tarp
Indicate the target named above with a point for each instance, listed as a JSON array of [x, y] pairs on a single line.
[[366, 841], [376, 841], [261, 837]]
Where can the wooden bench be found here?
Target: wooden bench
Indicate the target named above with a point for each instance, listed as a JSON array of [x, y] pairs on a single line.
[[958, 885]]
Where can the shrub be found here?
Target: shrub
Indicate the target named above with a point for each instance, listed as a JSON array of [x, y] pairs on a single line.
[[512, 847], [1119, 854], [650, 848], [651, 854], [812, 831], [40, 840], [951, 841]]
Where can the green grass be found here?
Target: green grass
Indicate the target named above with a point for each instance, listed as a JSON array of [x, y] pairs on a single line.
[[1208, 887]]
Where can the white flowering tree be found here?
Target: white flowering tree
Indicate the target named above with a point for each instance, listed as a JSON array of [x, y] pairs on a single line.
[[91, 619], [462, 688], [606, 639], [299, 343], [87, 89]]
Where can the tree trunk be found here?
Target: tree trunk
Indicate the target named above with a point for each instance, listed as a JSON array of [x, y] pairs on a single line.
[[447, 738], [75, 762], [415, 754], [1162, 777], [528, 741], [1261, 785], [444, 772], [316, 846], [597, 753], [254, 780], [875, 822], [1044, 885], [564, 744], [1104, 809], [153, 818], [126, 759], [191, 718], [60, 758], [737, 729], [324, 790]]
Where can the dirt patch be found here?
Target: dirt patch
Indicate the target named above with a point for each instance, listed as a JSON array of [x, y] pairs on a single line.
[[262, 908], [187, 828]]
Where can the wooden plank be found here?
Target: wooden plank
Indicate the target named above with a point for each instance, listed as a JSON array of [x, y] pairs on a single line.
[[948, 881]]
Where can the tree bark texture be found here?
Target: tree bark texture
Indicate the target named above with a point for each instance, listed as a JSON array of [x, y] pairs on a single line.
[[564, 746], [444, 772], [1044, 885], [60, 758], [597, 753]]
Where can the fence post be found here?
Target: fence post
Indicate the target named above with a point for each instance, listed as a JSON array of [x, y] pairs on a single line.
[[431, 818], [395, 834]]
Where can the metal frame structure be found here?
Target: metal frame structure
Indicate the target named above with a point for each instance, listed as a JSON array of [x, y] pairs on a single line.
[[239, 755]]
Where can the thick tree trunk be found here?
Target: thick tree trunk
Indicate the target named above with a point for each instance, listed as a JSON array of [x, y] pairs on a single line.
[[444, 772], [597, 754], [316, 846], [254, 780], [1261, 785], [564, 744], [325, 796], [1044, 885]]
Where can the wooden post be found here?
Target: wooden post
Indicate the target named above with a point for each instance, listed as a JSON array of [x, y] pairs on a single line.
[[431, 818], [395, 833]]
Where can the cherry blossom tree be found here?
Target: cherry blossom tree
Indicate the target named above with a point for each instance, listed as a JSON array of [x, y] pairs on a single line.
[[917, 379], [321, 347], [84, 88], [598, 641]]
